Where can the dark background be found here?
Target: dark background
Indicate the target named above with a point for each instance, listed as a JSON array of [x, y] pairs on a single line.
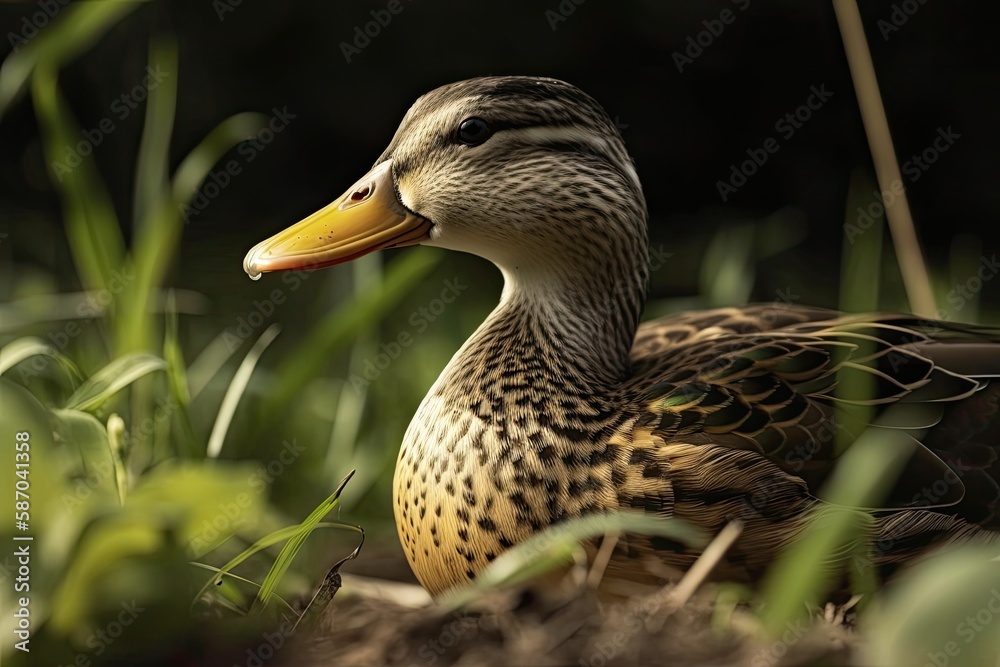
[[685, 130]]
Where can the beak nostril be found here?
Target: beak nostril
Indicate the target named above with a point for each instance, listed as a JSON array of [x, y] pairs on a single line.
[[361, 193]]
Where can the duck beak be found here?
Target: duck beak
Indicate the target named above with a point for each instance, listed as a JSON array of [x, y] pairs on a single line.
[[367, 217]]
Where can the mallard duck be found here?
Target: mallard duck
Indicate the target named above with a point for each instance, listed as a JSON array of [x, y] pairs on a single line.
[[561, 404]]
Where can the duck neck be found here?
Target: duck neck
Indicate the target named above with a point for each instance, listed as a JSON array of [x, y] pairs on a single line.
[[554, 334]]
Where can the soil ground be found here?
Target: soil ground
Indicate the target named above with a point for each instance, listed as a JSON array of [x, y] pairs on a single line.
[[529, 627]]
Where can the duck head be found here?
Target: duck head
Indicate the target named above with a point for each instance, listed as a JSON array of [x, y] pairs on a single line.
[[527, 172]]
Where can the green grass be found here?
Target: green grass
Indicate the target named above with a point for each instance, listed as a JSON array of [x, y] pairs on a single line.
[[134, 493]]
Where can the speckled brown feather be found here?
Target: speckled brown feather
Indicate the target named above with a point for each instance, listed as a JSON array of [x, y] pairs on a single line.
[[561, 405]]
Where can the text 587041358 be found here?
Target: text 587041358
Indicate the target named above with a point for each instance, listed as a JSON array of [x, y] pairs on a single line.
[[22, 550]]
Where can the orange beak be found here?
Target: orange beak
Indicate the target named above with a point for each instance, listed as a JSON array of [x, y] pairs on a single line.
[[366, 218]]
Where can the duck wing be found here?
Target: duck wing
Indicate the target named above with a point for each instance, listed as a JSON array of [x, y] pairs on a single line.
[[746, 411]]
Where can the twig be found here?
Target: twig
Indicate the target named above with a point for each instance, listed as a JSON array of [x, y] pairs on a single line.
[[702, 567], [331, 584], [671, 600], [601, 559], [405, 595], [904, 236]]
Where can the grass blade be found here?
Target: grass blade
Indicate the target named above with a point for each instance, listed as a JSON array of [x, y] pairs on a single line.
[[177, 380], [154, 149], [294, 544], [804, 571], [97, 461], [207, 364], [268, 540], [555, 546], [21, 349], [91, 224], [74, 30], [111, 379], [934, 613], [236, 389], [156, 220], [221, 576], [195, 167]]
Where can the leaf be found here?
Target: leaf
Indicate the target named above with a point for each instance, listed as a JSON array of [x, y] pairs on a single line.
[[111, 379], [160, 215], [97, 462], [156, 221], [21, 411], [91, 223], [294, 544], [727, 270], [173, 354], [103, 549], [207, 364], [276, 537], [21, 349], [862, 478], [332, 582], [555, 547], [269, 540], [75, 29], [235, 391], [232, 595], [203, 504], [151, 185], [943, 611], [173, 508]]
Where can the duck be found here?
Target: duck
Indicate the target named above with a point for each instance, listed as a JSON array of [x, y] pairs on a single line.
[[562, 404]]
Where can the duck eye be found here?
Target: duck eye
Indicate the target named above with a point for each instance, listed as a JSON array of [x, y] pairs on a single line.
[[473, 131]]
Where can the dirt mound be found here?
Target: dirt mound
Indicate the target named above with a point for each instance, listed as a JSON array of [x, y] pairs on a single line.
[[525, 628]]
